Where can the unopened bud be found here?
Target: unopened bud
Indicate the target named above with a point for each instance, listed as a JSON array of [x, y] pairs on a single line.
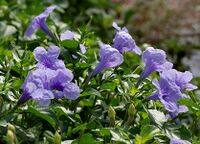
[[10, 137], [131, 110], [111, 115], [111, 112], [11, 127], [57, 138], [131, 113]]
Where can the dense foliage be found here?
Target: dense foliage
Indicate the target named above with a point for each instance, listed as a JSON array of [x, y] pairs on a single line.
[[77, 77]]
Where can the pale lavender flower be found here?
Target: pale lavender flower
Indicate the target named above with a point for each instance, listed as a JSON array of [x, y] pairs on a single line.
[[69, 35], [36, 86], [124, 42], [39, 22], [109, 58], [178, 141], [155, 60], [43, 85], [181, 79], [169, 93], [50, 80], [62, 86]]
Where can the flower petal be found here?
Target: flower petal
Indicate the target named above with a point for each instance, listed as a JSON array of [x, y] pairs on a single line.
[[82, 48], [71, 91], [39, 53], [67, 35], [53, 52], [42, 96], [114, 24]]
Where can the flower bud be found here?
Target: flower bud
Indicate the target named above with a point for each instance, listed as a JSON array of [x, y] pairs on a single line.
[[10, 137], [131, 113], [131, 110], [57, 138], [111, 112], [11, 127], [111, 115]]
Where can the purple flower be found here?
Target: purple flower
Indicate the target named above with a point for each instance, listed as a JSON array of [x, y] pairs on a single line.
[[155, 60], [62, 86], [43, 85], [181, 109], [36, 86], [170, 86], [39, 22], [109, 58], [168, 94], [69, 35], [123, 41], [50, 80], [181, 79], [49, 59], [178, 141]]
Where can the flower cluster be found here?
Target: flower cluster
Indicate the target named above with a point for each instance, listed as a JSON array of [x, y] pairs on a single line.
[[50, 80], [111, 56], [170, 87]]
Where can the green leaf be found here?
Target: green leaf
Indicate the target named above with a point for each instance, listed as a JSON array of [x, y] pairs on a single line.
[[42, 114], [79, 128], [190, 104], [148, 132], [104, 132], [70, 44], [17, 84], [91, 91], [109, 85], [118, 137], [157, 116], [86, 139]]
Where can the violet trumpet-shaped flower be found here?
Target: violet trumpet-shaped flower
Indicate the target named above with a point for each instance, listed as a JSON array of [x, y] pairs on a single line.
[[43, 85], [36, 86], [123, 41], [155, 60], [109, 58], [167, 94], [181, 79], [50, 80], [39, 22], [69, 35]]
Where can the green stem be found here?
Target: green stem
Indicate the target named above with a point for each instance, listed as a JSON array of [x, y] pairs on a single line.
[[86, 81]]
